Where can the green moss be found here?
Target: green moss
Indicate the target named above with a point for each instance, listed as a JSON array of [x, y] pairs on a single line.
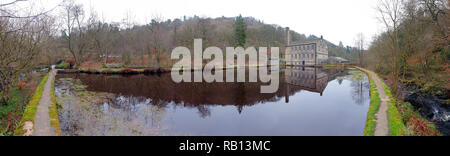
[[396, 124], [53, 111], [333, 66], [66, 79], [30, 110], [375, 101], [63, 65], [79, 86]]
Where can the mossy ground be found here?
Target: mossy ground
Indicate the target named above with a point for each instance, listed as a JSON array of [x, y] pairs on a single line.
[[396, 125], [53, 111], [375, 101], [30, 110]]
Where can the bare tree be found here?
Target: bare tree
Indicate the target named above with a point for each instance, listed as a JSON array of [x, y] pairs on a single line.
[[129, 20], [360, 43], [103, 36], [6, 10], [75, 35], [22, 39], [390, 12], [157, 38], [437, 10]]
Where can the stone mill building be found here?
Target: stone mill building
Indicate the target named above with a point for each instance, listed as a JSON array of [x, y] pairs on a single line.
[[313, 52]]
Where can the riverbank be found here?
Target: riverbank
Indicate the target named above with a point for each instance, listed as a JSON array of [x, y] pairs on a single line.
[[388, 116], [434, 106]]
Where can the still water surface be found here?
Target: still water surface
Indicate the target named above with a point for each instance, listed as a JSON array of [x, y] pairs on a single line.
[[310, 101]]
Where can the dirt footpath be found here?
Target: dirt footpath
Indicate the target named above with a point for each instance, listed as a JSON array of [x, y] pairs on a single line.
[[382, 121]]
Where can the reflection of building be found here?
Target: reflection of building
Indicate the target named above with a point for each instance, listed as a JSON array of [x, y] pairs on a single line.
[[311, 53], [309, 79]]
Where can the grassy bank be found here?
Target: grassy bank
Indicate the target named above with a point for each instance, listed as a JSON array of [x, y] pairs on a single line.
[[375, 101], [11, 112], [336, 66], [53, 111], [31, 109], [396, 125]]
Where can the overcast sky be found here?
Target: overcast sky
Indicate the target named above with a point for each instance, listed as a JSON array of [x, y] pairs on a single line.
[[336, 20]]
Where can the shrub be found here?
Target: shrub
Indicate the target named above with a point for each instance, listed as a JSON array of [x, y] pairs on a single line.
[[70, 61], [63, 65], [91, 65], [127, 71], [149, 70], [110, 60], [21, 85]]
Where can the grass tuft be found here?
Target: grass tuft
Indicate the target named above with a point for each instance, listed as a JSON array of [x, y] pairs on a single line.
[[53, 111], [63, 65]]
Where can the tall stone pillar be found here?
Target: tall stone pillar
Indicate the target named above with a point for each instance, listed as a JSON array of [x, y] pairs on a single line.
[[288, 37]]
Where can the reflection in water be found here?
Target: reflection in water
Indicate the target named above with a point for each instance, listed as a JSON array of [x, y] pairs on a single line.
[[360, 85], [317, 79], [148, 103], [310, 79]]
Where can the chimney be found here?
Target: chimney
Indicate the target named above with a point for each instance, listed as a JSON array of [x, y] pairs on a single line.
[[288, 36]]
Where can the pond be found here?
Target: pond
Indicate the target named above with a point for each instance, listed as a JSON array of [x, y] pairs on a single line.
[[309, 102]]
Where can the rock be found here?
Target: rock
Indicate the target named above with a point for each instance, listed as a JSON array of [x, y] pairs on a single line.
[[28, 126], [434, 107]]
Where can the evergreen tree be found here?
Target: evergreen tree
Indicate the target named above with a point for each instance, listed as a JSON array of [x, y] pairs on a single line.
[[240, 29]]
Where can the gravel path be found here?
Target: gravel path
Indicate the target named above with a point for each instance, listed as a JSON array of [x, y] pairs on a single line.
[[382, 121], [42, 119]]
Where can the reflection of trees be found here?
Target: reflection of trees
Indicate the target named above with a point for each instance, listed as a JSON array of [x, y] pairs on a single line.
[[134, 115], [360, 87], [163, 91], [240, 96], [340, 79], [204, 111]]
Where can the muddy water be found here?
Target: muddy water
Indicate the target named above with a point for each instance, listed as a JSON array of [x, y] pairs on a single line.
[[310, 101]]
